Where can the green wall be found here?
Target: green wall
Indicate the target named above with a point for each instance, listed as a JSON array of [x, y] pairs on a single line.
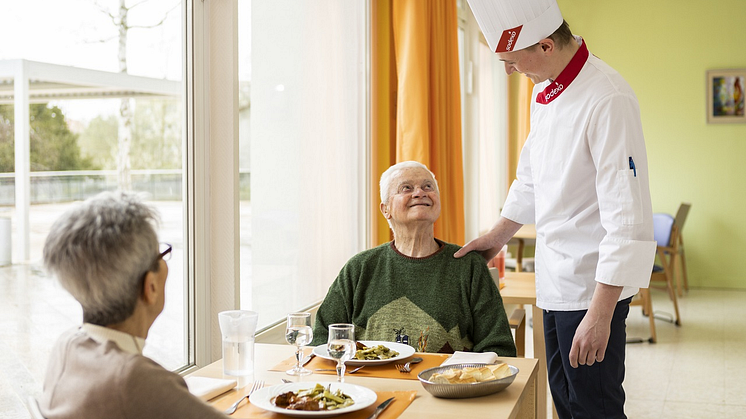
[[663, 49]]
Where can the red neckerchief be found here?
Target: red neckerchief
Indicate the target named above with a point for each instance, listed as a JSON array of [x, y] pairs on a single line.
[[566, 77]]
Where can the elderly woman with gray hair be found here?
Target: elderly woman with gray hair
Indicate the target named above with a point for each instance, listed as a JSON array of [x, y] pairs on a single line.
[[413, 290], [105, 252]]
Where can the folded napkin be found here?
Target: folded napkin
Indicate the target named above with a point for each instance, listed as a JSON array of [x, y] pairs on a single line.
[[206, 388], [460, 357]]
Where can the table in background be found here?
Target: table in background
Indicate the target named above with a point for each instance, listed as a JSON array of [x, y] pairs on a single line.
[[516, 401], [520, 288], [526, 233]]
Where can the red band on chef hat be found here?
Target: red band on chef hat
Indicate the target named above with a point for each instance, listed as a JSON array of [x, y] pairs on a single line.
[[511, 25]]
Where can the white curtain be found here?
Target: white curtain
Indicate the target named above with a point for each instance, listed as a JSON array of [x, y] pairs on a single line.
[[493, 145], [308, 115]]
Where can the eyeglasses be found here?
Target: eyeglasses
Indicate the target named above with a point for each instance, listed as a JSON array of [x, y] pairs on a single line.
[[165, 251]]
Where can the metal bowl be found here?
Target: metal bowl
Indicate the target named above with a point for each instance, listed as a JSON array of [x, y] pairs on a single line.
[[463, 391]]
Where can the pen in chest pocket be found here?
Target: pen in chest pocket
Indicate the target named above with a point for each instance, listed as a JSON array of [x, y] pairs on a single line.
[[632, 166]]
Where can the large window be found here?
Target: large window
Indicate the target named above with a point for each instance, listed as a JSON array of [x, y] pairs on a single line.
[[106, 112], [302, 80]]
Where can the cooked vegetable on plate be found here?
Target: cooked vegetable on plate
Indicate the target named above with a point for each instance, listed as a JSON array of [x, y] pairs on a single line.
[[374, 352], [318, 398]]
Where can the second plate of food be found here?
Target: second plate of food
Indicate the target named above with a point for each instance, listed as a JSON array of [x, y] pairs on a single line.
[[404, 352], [265, 398]]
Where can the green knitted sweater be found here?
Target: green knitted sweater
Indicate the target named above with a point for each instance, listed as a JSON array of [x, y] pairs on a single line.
[[440, 303]]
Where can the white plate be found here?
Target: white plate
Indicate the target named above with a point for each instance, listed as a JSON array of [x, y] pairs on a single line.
[[362, 397], [405, 351]]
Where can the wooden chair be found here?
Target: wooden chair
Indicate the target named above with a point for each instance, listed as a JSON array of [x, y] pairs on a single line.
[[668, 235], [516, 319], [681, 277], [517, 322]]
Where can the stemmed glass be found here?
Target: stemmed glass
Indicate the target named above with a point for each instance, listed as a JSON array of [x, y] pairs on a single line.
[[298, 332], [341, 346]]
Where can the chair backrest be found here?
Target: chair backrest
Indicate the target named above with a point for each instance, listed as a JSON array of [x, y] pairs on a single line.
[[33, 408], [662, 227], [681, 215]]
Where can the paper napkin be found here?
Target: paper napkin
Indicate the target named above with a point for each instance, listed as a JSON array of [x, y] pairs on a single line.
[[460, 357], [206, 388]]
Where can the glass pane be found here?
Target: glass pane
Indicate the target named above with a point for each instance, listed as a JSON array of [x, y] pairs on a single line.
[[91, 131], [302, 134]]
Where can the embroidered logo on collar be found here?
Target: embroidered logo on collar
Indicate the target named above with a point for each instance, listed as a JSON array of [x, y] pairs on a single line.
[[565, 78]]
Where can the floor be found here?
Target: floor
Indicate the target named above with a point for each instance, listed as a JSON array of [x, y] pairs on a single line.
[[697, 370]]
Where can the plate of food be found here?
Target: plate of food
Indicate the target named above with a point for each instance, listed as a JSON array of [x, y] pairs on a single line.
[[372, 352], [309, 399]]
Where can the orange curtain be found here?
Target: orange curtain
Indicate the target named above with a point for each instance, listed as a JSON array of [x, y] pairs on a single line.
[[519, 118], [416, 108]]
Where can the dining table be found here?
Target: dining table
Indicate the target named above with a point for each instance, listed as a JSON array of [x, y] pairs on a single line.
[[525, 235], [520, 288], [518, 400]]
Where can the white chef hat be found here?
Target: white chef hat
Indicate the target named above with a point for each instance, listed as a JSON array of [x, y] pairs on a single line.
[[511, 25]]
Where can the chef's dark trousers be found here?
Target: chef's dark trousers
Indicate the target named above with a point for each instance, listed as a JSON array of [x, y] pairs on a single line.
[[586, 392]]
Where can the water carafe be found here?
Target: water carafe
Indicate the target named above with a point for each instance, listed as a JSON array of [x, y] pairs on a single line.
[[238, 328]]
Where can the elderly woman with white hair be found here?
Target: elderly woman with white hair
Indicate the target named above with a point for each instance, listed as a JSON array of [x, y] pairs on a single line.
[[412, 289], [105, 252]]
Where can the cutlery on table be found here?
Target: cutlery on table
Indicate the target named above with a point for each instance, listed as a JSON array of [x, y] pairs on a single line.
[[352, 371], [406, 368], [381, 407], [257, 385], [307, 359]]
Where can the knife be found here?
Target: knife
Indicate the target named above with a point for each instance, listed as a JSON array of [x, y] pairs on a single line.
[[307, 359], [381, 407]]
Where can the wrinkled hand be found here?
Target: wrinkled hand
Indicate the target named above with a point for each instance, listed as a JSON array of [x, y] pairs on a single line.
[[485, 245], [491, 243], [590, 341]]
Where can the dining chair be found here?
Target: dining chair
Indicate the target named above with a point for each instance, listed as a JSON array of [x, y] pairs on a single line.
[[681, 276], [33, 408], [667, 233]]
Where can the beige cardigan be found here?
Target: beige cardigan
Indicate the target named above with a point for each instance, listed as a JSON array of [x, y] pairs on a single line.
[[90, 377]]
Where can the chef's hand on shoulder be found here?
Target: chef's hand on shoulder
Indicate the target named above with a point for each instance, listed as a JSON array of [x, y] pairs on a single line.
[[490, 244], [592, 335], [485, 245]]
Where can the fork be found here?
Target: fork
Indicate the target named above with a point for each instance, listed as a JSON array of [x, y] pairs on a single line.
[[257, 385], [407, 368]]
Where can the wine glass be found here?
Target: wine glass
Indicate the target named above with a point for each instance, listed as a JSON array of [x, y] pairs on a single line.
[[298, 332], [341, 346]]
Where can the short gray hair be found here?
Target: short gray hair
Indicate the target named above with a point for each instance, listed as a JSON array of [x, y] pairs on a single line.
[[393, 171], [100, 250]]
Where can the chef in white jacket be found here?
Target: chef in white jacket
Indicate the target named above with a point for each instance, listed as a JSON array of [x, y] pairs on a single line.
[[582, 178]]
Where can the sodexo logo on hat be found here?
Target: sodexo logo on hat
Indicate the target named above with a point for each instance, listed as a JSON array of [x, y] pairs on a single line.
[[511, 25]]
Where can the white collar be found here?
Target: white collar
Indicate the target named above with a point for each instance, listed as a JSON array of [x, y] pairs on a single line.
[[125, 341]]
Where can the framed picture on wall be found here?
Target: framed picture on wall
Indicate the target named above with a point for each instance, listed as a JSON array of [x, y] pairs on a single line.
[[725, 96]]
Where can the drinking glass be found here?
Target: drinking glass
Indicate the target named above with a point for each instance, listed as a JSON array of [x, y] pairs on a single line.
[[341, 346], [298, 332]]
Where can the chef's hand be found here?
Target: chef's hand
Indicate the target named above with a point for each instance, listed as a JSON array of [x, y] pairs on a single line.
[[490, 244], [590, 341], [592, 335], [486, 245]]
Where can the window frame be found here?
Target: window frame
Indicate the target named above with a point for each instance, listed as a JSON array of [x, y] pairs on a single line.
[[211, 135]]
